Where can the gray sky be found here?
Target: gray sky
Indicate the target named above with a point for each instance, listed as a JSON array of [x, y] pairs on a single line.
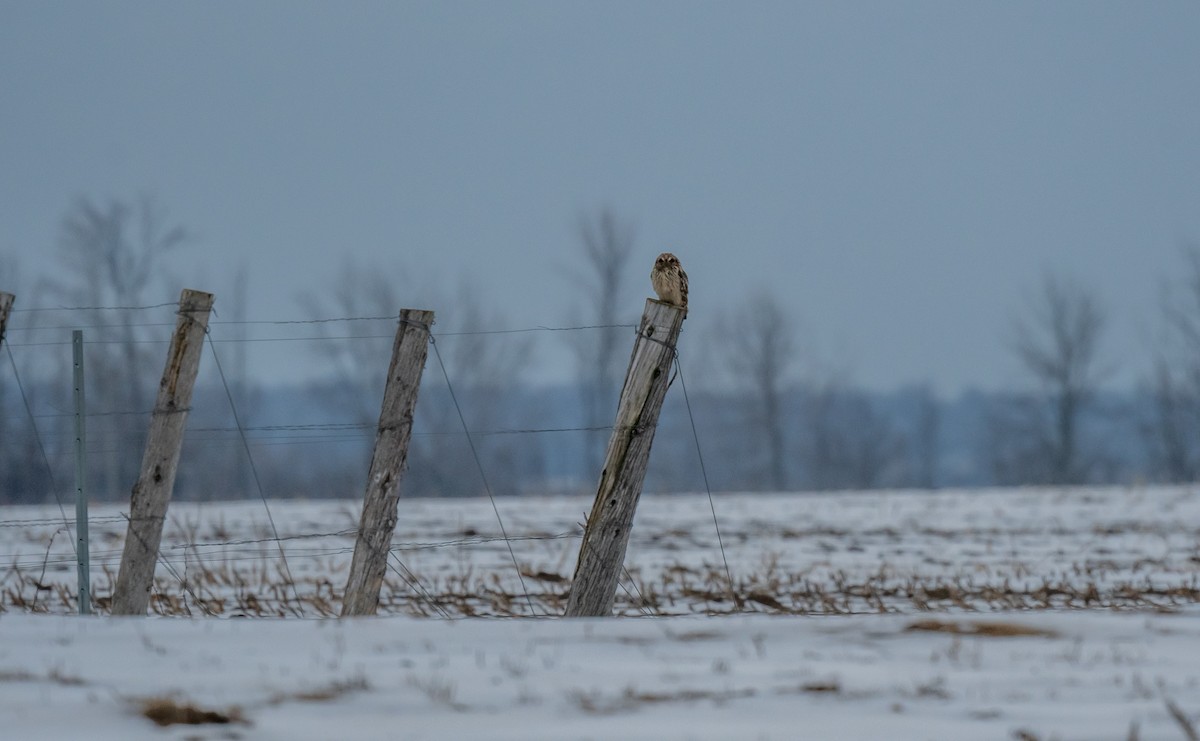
[[898, 174]]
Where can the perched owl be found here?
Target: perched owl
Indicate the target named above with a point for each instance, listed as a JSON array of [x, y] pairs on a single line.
[[669, 280]]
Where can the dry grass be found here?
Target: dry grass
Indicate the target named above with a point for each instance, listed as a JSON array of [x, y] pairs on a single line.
[[165, 711], [54, 676], [830, 687], [597, 703], [992, 629], [440, 691], [326, 693], [226, 567], [262, 589]]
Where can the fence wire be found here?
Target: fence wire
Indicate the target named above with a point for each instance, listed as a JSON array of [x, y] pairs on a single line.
[[48, 425]]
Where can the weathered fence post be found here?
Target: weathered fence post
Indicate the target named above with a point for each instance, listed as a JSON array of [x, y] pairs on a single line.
[[606, 535], [6, 302], [84, 564], [378, 522], [152, 492]]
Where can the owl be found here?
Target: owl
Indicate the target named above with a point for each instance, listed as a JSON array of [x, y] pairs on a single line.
[[669, 281]]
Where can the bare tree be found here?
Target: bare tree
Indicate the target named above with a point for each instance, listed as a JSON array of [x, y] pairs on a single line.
[[762, 357], [925, 438], [368, 299], [112, 256], [1014, 439], [1174, 428], [1058, 345], [607, 244], [485, 369], [833, 430], [364, 301], [482, 367], [211, 471], [846, 443]]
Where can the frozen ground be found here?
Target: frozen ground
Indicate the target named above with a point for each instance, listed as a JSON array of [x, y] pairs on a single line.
[[1027, 614], [1076, 675]]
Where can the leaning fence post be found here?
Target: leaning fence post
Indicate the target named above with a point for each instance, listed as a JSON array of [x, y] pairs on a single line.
[[378, 522], [152, 492], [6, 302], [606, 535]]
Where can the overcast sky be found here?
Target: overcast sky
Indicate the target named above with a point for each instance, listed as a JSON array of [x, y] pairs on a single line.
[[899, 175]]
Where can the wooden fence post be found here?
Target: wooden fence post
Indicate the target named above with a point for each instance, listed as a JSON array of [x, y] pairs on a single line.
[[6, 302], [409, 351], [606, 537], [152, 492]]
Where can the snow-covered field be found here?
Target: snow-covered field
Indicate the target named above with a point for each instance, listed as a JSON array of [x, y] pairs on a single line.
[[959, 614], [1079, 676], [787, 553]]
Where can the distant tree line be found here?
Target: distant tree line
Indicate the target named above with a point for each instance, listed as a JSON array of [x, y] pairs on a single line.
[[775, 421]]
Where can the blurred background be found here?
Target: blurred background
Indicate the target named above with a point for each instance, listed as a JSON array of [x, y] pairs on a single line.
[[929, 244]]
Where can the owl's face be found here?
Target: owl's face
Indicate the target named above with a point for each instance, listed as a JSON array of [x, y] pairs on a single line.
[[666, 260]]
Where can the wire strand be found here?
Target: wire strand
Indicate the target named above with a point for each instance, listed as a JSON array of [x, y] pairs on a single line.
[[33, 309], [415, 583], [704, 473], [482, 475], [41, 447], [254, 471]]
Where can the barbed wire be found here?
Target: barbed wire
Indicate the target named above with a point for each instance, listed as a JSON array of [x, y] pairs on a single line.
[[253, 468], [312, 338], [254, 541], [415, 584], [279, 322], [60, 343], [212, 437], [329, 320], [337, 426], [98, 415], [401, 546], [38, 438], [482, 474], [63, 327], [232, 553], [704, 472], [38, 309], [535, 329], [285, 322], [44, 522], [365, 431], [175, 557]]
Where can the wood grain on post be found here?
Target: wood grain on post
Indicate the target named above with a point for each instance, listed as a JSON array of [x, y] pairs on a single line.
[[152, 492], [6, 303], [378, 522], [606, 537]]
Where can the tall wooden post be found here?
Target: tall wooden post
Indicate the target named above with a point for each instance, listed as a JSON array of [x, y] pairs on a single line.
[[152, 492], [378, 522], [82, 547], [6, 303], [606, 536]]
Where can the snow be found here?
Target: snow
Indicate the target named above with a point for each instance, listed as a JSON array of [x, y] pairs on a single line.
[[846, 552], [1076, 615], [748, 677]]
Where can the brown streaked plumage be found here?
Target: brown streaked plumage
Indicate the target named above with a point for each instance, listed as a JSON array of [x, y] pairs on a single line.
[[669, 281]]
